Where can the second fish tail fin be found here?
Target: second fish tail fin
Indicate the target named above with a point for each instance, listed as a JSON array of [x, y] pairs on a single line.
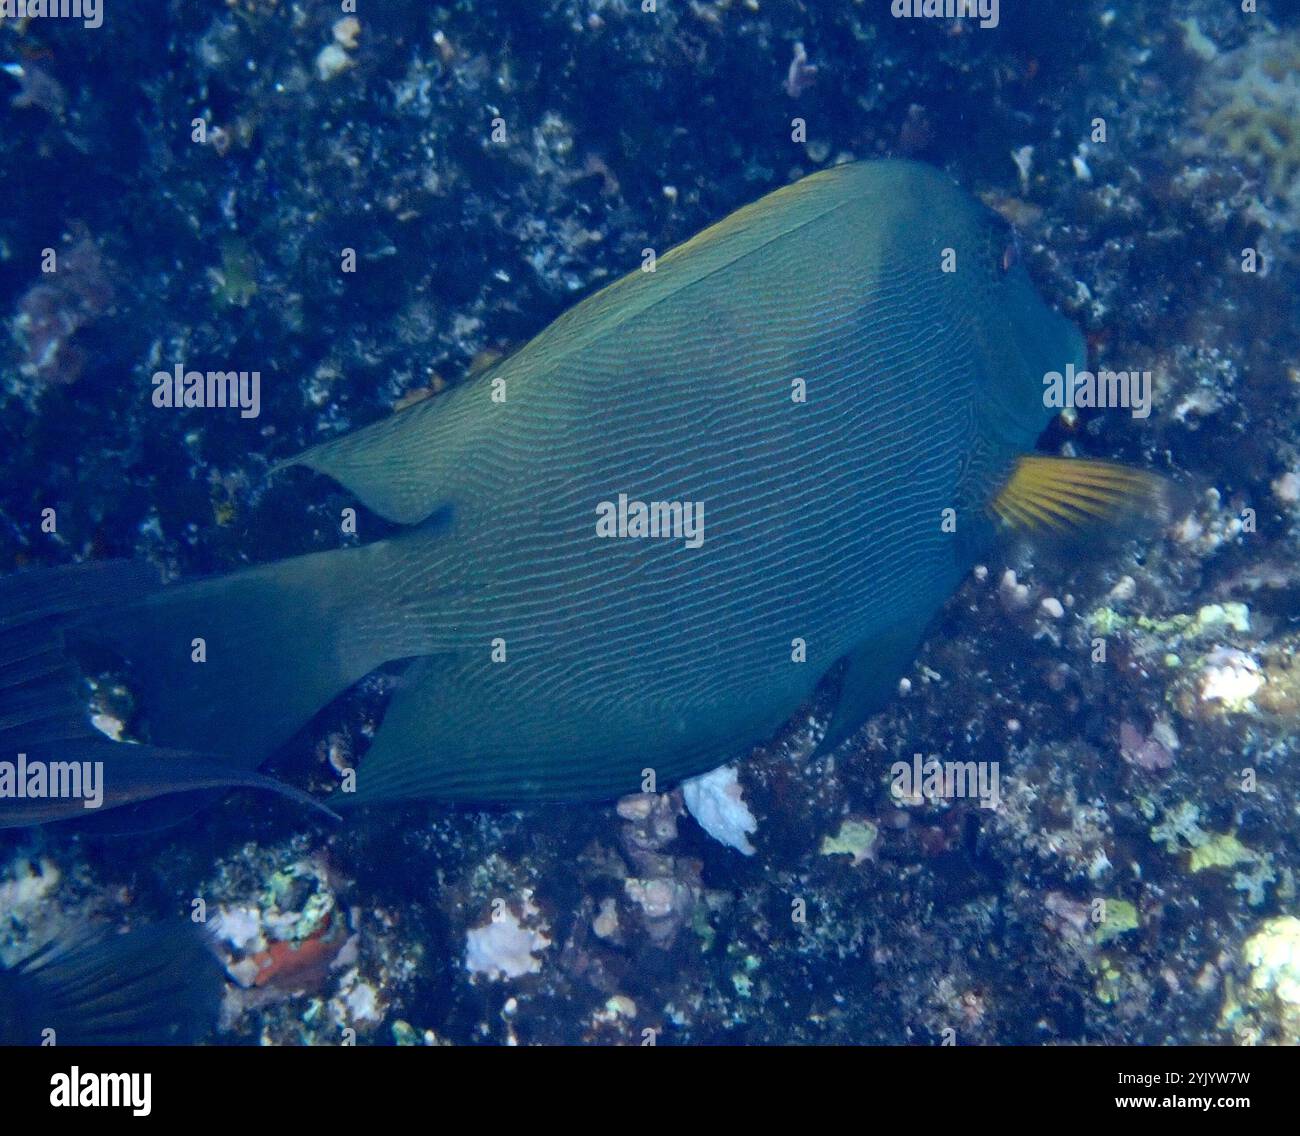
[[235, 665], [159, 984]]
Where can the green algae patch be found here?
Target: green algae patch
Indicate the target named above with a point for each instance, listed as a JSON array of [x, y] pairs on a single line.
[[1121, 917], [855, 838], [1180, 831], [1210, 619], [1219, 852], [1106, 621]]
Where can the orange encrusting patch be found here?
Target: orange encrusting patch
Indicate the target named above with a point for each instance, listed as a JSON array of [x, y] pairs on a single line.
[[1070, 493], [299, 966]]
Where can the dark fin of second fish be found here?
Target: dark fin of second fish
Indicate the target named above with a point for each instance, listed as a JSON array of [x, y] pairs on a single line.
[[156, 985], [1074, 495], [869, 681]]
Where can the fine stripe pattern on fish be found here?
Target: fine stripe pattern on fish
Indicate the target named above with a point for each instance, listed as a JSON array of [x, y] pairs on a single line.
[[823, 516], [806, 372]]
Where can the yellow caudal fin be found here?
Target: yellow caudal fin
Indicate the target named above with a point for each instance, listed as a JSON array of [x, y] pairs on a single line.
[[1062, 494]]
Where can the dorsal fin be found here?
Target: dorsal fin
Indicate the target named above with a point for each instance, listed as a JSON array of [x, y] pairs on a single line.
[[399, 467], [404, 466]]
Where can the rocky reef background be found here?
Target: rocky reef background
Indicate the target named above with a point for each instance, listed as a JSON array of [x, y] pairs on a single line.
[[492, 162]]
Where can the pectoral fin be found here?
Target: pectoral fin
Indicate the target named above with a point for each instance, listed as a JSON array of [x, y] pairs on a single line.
[[1073, 494], [869, 681]]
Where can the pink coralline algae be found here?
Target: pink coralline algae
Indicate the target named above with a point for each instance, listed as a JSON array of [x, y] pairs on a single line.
[[1147, 753], [51, 313]]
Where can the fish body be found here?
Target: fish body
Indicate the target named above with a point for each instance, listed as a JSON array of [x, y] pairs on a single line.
[[835, 381]]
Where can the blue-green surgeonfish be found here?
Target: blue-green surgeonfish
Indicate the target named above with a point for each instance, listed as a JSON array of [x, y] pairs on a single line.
[[642, 540]]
